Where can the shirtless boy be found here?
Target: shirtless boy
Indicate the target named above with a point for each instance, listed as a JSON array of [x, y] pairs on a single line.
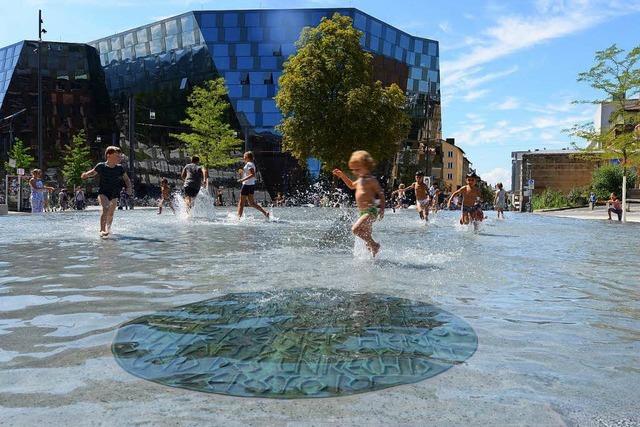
[[422, 197], [165, 196], [367, 191], [470, 193]]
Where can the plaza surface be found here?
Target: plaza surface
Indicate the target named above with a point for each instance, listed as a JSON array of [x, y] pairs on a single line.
[[598, 213], [554, 303]]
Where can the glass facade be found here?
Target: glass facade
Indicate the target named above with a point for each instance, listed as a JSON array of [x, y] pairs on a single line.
[[74, 96], [248, 48]]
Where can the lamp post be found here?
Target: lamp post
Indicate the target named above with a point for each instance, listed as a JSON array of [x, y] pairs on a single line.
[[41, 31]]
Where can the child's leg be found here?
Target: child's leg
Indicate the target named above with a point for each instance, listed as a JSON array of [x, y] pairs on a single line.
[[253, 203], [362, 228], [160, 206], [241, 206], [112, 209], [419, 209], [104, 208]]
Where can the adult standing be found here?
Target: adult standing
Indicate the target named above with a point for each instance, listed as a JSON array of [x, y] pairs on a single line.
[[194, 178]]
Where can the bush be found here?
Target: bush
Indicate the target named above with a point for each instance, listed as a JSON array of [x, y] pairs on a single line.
[[578, 196], [549, 199], [608, 179]]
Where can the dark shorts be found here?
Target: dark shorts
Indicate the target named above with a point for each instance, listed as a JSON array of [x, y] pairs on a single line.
[[109, 193], [247, 190], [191, 191]]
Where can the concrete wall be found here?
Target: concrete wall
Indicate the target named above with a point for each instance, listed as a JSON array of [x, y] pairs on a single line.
[[558, 171]]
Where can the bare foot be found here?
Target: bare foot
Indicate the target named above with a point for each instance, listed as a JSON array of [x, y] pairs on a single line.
[[268, 215]]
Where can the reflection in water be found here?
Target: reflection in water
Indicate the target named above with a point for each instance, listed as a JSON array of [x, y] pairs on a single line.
[[294, 343]]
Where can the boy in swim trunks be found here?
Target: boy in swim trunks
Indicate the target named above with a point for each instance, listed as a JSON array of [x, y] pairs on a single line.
[[470, 193], [422, 198], [165, 196], [367, 191], [112, 174]]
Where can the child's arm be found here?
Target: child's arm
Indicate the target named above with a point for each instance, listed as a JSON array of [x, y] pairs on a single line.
[[455, 193], [344, 178], [252, 173], [89, 174], [32, 183]]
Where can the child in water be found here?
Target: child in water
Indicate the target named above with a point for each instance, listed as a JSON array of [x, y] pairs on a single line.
[[112, 174], [422, 198], [248, 182], [367, 191], [470, 193], [165, 196]]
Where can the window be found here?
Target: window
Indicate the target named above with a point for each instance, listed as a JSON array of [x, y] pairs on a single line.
[[244, 79], [188, 39], [376, 28], [187, 23], [156, 32], [232, 34], [230, 20], [449, 176], [255, 34], [252, 19], [142, 35], [360, 22], [156, 46], [115, 43], [172, 42], [450, 154], [418, 46], [128, 39], [171, 27], [243, 49], [450, 165]]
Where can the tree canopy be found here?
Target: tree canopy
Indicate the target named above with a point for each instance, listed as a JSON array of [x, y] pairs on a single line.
[[77, 159], [211, 138], [20, 153], [617, 77], [330, 103]]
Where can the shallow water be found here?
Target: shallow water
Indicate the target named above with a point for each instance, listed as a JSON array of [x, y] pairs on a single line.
[[555, 304]]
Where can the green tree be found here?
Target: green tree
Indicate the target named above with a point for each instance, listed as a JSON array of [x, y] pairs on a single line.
[[211, 138], [330, 103], [617, 77], [77, 159], [608, 179], [21, 155]]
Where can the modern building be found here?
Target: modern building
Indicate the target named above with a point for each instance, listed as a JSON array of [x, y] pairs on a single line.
[[159, 63], [603, 120], [453, 172], [74, 96], [559, 170]]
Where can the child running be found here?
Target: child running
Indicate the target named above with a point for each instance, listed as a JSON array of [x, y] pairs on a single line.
[[37, 191], [112, 174], [165, 196], [367, 191], [470, 193], [500, 200], [248, 181], [401, 197], [422, 198]]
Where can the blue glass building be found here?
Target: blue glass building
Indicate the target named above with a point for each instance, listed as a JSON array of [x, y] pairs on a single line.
[[159, 62]]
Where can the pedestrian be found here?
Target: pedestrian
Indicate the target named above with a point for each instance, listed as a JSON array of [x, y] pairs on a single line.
[[248, 189], [37, 191], [592, 200], [500, 200], [368, 190], [112, 175], [194, 178], [616, 206], [63, 198], [80, 199]]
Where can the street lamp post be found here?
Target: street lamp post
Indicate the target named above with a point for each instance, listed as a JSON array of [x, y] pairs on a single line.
[[41, 31]]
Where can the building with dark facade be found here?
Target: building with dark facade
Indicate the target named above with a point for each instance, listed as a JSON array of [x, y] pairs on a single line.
[[157, 64], [74, 97]]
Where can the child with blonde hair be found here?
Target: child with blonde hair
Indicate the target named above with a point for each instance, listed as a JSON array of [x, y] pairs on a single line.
[[367, 190]]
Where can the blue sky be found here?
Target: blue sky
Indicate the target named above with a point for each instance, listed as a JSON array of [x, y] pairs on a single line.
[[508, 68]]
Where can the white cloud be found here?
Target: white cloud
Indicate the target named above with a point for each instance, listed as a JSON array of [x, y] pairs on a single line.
[[475, 94], [445, 27], [513, 33], [497, 175], [511, 103]]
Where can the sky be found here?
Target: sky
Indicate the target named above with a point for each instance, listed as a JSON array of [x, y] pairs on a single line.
[[508, 68]]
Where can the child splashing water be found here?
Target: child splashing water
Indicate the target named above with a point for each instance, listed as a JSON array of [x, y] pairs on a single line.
[[248, 181], [367, 191], [112, 174], [471, 210]]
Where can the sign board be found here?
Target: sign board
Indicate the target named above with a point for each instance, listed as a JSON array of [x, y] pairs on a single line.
[[12, 163], [531, 184], [20, 171]]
